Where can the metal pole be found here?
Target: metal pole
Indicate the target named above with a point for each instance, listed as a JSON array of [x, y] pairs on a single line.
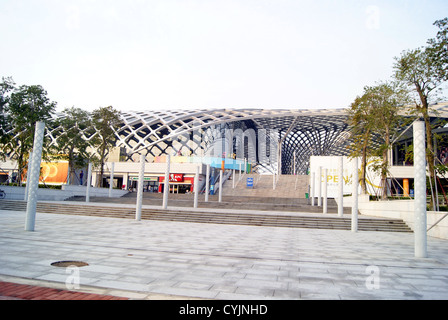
[[196, 187], [420, 241], [325, 193], [341, 187], [355, 196], [233, 179], [319, 186], [89, 179], [294, 163], [273, 181], [141, 177], [34, 177], [207, 183], [111, 179], [313, 182], [166, 185], [28, 175], [220, 185]]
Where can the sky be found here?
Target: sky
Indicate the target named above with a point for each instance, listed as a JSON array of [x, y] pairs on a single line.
[[205, 54]]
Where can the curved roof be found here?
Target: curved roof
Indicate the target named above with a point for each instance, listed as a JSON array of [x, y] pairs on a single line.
[[152, 127], [300, 132]]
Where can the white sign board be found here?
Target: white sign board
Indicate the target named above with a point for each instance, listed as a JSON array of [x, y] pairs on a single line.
[[331, 163]]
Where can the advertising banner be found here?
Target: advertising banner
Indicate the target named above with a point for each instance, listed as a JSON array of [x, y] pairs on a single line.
[[331, 163], [52, 172]]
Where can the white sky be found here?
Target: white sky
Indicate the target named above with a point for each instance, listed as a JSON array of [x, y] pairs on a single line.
[[178, 54]]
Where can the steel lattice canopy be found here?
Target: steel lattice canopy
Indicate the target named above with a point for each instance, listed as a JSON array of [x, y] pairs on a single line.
[[300, 132]]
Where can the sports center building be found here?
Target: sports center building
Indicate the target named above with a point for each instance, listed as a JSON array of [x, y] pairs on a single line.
[[249, 140]]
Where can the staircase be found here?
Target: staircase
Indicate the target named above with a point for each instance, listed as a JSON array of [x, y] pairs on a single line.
[[287, 186], [271, 220]]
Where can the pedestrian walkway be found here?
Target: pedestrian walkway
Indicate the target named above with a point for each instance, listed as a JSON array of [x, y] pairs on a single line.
[[169, 260]]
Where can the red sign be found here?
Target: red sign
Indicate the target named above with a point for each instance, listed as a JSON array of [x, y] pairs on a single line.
[[176, 177]]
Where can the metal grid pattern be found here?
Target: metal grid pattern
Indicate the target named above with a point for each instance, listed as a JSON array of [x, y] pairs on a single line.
[[301, 134]]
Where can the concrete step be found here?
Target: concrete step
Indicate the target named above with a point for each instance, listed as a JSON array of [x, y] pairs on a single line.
[[287, 186], [319, 222]]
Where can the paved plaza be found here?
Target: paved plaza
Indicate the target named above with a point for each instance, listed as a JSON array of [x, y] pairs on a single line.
[[172, 260]]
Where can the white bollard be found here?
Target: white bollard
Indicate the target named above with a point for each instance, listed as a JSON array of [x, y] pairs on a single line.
[[207, 183], [420, 241], [166, 185], [313, 182], [341, 188], [355, 196], [319, 186], [325, 193], [220, 185], [111, 180], [141, 176], [89, 179], [196, 187], [273, 181], [34, 176]]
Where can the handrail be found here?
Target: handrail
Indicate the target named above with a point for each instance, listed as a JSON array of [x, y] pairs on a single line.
[[444, 216]]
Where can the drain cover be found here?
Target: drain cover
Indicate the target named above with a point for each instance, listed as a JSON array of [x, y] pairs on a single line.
[[65, 264]]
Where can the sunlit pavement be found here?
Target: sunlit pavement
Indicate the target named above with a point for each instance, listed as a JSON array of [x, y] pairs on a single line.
[[164, 260]]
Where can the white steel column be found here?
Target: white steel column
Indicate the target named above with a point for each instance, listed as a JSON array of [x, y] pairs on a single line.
[[207, 183], [319, 186], [141, 177], [341, 187], [220, 185], [313, 176], [273, 181], [325, 193], [355, 196], [111, 179], [28, 175], [166, 185], [196, 187], [89, 179], [34, 177], [420, 241]]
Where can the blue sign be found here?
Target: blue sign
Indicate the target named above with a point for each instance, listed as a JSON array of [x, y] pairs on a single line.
[[250, 182]]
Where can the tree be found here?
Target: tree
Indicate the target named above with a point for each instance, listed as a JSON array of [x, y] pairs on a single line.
[[424, 70], [387, 99], [26, 106], [438, 49], [6, 87], [71, 143], [361, 128], [106, 120]]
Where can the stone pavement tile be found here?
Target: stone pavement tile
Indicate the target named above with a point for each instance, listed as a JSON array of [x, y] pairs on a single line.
[[122, 285], [195, 293], [261, 284], [264, 293]]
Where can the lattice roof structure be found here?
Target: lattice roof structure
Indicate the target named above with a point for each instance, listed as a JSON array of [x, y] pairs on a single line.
[[304, 132], [301, 134]]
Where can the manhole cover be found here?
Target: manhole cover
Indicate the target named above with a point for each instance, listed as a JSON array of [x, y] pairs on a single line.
[[65, 264]]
